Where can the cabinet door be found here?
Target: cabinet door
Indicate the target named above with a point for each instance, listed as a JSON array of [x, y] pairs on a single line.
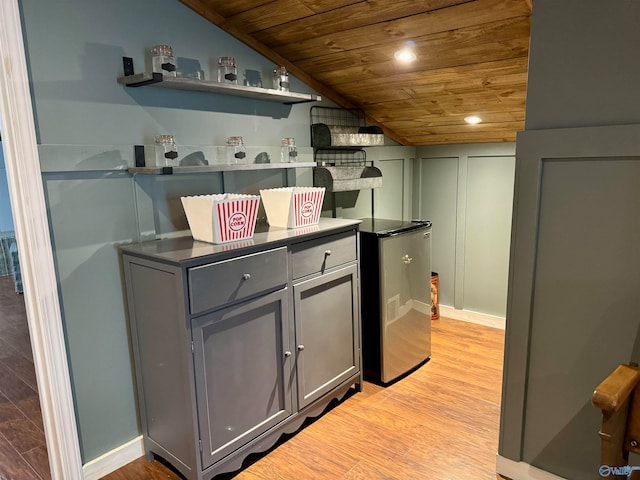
[[327, 332], [242, 366]]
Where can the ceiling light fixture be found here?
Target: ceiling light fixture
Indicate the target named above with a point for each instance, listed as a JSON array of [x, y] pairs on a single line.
[[472, 120], [407, 53]]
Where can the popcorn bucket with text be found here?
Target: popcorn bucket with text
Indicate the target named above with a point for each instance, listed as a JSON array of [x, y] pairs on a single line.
[[293, 207], [221, 218]]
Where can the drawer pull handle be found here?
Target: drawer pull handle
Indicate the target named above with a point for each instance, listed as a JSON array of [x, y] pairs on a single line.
[[246, 276], [300, 347], [287, 353], [327, 252]]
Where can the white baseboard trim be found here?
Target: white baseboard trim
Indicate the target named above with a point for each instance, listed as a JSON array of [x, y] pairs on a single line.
[[472, 317], [113, 460], [522, 471]]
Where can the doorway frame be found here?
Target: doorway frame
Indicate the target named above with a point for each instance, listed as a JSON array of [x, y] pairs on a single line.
[[35, 251]]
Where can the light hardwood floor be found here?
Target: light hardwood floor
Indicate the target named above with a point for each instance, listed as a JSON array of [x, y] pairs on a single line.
[[439, 423]]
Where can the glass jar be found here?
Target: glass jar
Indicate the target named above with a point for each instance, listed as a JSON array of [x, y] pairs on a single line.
[[281, 79], [288, 152], [236, 152], [166, 151], [162, 60], [227, 71]]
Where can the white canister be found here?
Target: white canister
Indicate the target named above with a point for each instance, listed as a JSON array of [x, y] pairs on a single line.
[[281, 79], [236, 153], [162, 60], [227, 70], [288, 152], [166, 151]]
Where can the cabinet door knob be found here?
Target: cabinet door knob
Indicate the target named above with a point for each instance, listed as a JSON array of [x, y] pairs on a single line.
[[300, 347], [287, 353], [246, 276], [327, 252]]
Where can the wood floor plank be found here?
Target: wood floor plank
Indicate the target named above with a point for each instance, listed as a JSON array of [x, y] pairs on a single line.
[[8, 411], [21, 395], [143, 469], [39, 461], [12, 465], [18, 363], [439, 422], [365, 471], [23, 435], [323, 458]]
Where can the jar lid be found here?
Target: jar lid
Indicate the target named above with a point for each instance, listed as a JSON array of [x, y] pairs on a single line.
[[291, 142], [164, 139], [280, 70], [234, 141], [227, 61], [165, 50]]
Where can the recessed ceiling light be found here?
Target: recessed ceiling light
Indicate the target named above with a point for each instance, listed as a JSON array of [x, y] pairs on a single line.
[[472, 120], [405, 55]]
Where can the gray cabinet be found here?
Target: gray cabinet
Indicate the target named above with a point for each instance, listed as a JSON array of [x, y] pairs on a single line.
[[236, 345], [242, 361], [326, 312], [327, 332]]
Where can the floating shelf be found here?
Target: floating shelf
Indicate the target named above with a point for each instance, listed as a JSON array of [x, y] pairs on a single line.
[[218, 168], [159, 81]]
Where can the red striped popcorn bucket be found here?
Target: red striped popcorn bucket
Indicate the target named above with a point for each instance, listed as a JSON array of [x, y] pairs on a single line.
[[293, 207], [222, 218]]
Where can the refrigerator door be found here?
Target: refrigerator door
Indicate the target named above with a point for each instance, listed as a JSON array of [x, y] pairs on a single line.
[[405, 271]]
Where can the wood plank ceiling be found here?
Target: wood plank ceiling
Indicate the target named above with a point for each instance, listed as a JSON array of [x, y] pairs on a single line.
[[471, 59]]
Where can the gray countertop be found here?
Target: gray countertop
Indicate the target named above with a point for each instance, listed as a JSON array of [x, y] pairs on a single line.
[[184, 250]]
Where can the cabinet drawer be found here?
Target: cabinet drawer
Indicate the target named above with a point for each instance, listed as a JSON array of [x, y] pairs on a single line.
[[220, 283], [323, 253]]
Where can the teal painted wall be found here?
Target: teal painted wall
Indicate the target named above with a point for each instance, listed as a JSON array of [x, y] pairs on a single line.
[[467, 192], [487, 233], [6, 218], [87, 125], [75, 51], [438, 200]]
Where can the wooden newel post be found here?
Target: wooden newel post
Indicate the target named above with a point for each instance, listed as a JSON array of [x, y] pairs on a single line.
[[616, 396]]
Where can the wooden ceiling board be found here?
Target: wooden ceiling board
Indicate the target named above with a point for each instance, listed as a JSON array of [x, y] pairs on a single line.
[[369, 95], [348, 18], [397, 32], [463, 128], [227, 8], [445, 106], [426, 121], [285, 12], [472, 59], [488, 42], [408, 92], [469, 137], [464, 73], [340, 73]]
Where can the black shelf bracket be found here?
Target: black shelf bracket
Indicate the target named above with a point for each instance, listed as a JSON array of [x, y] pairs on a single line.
[[127, 64]]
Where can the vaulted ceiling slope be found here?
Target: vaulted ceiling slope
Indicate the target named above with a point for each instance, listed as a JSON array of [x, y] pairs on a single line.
[[471, 59]]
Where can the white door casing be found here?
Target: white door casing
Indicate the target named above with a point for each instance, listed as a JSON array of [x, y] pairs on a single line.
[[35, 251]]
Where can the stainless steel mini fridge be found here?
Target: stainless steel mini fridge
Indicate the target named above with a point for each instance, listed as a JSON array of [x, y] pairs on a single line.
[[395, 296]]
